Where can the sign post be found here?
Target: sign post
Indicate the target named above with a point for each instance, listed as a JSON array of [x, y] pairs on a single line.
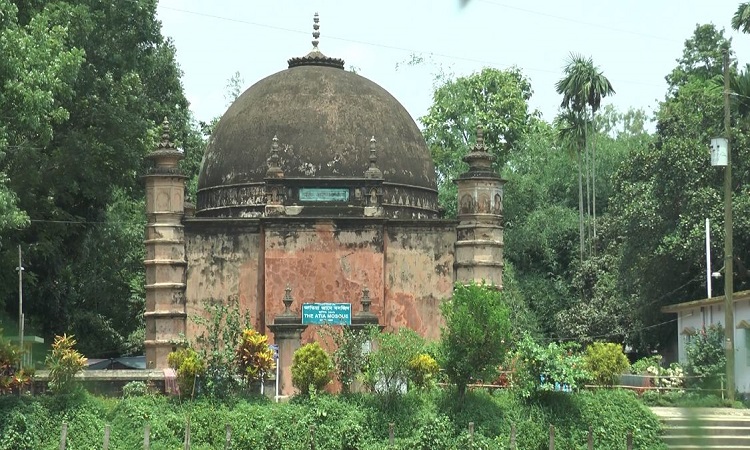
[[275, 349]]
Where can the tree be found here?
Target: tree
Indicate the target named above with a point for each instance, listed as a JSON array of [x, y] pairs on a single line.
[[583, 88], [664, 193], [741, 18], [476, 335], [106, 77], [496, 99]]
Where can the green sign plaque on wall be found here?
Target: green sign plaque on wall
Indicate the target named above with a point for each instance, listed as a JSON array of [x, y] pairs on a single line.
[[323, 194]]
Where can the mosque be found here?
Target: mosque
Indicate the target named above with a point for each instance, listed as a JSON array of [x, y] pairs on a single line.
[[316, 186]]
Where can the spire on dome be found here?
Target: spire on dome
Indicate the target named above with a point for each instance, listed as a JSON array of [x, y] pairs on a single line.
[[316, 57]]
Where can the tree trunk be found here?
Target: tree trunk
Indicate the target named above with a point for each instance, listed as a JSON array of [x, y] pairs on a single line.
[[587, 163], [580, 202], [593, 179]]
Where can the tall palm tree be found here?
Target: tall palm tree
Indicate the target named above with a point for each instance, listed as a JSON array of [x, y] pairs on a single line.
[[572, 135], [741, 18], [583, 87]]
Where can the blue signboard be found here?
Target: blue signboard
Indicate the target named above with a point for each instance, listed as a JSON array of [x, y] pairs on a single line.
[[323, 194], [326, 313], [275, 349]]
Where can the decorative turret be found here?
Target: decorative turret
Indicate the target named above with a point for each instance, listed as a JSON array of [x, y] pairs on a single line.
[[165, 261], [479, 245]]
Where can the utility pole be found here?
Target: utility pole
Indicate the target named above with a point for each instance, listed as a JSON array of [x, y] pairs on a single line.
[[728, 252], [20, 299]]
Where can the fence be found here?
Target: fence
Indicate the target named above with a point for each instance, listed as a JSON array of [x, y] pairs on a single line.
[[391, 439]]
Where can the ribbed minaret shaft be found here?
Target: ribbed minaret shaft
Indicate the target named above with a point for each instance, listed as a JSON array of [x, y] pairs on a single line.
[[165, 260]]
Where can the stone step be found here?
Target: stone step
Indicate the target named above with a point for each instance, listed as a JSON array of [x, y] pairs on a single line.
[[706, 441], [711, 430]]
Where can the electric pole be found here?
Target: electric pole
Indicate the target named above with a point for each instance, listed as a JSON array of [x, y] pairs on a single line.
[[728, 252], [20, 301]]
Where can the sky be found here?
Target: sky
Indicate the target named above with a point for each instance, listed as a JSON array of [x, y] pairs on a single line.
[[635, 43]]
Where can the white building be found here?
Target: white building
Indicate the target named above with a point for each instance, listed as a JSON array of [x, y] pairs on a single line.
[[695, 315]]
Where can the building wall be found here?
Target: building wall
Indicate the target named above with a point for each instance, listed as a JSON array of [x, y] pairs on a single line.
[[705, 316], [406, 265]]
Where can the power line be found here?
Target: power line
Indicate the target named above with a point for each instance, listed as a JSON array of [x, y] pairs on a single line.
[[386, 46], [578, 21]]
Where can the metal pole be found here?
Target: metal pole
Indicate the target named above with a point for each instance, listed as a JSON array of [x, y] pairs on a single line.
[[728, 252], [20, 302]]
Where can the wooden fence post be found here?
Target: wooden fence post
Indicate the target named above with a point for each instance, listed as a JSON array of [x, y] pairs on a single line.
[[512, 436], [312, 437], [64, 436], [187, 434], [228, 443], [106, 437], [390, 433], [630, 440], [591, 438], [147, 437], [551, 437], [471, 432]]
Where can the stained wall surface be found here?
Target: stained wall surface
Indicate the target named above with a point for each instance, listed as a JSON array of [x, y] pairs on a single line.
[[406, 265]]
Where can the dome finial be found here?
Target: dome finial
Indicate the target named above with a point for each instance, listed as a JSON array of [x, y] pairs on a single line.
[[479, 147], [316, 57], [316, 32], [166, 136]]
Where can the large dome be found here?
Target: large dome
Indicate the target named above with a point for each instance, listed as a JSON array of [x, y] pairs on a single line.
[[324, 118]]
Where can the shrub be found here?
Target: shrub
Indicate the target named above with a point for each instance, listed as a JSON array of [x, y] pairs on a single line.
[[477, 327], [423, 369], [706, 358], [646, 365], [10, 356], [606, 362], [349, 356], [222, 327], [254, 356], [387, 368], [135, 389], [311, 368], [189, 366], [64, 362], [555, 367]]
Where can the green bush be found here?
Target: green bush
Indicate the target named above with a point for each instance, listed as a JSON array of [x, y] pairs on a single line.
[[476, 333], [554, 367], [349, 356], [387, 368], [356, 422], [311, 368], [706, 359], [605, 362]]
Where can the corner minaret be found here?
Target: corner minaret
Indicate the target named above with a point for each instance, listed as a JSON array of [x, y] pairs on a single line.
[[479, 244], [165, 261]]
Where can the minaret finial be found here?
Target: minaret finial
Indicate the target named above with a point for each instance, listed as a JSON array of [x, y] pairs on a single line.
[[480, 140], [373, 171], [365, 301], [316, 32], [166, 136]]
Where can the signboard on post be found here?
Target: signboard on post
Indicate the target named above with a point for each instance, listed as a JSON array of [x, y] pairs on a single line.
[[326, 313]]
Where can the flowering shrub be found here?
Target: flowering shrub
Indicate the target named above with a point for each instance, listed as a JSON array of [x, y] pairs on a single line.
[[422, 370], [11, 379], [254, 356], [188, 365], [64, 363]]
